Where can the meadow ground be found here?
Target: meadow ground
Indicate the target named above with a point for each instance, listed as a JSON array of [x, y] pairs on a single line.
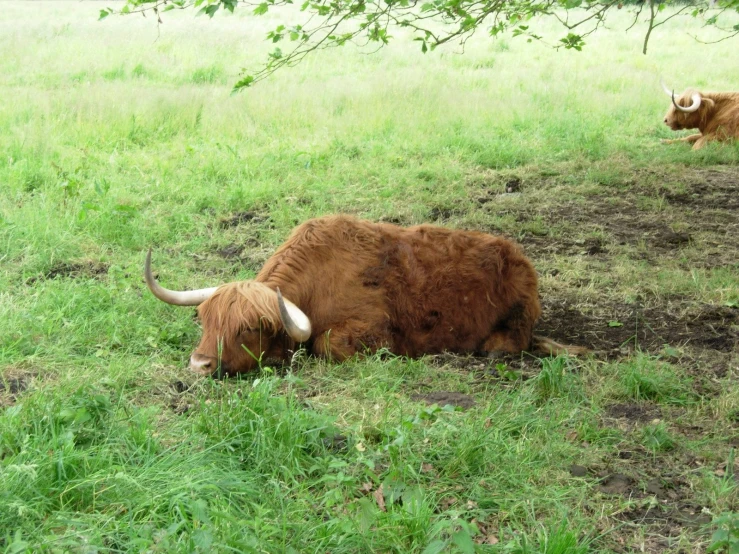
[[116, 136]]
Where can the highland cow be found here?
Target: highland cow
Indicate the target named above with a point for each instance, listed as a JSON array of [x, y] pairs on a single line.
[[714, 114], [342, 286]]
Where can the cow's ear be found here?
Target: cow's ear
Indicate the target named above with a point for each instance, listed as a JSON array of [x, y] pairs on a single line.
[[708, 103]]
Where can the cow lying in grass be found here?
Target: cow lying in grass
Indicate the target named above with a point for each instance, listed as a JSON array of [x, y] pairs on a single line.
[[714, 114], [344, 286]]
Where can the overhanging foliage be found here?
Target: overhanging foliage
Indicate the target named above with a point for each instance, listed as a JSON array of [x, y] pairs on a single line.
[[330, 23]]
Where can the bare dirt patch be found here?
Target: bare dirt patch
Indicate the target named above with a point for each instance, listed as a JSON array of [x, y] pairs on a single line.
[[707, 188], [632, 412], [617, 483], [231, 251], [646, 221], [13, 383], [444, 398], [73, 270], [671, 519], [698, 327], [240, 218]]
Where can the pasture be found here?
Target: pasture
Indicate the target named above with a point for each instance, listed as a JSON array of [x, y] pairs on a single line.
[[116, 136]]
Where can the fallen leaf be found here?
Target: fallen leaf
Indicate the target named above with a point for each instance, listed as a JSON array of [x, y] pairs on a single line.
[[427, 468], [719, 473], [571, 436], [360, 446], [471, 505], [367, 487], [379, 498]]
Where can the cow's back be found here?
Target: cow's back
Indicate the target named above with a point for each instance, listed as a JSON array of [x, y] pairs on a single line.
[[325, 268], [724, 118]]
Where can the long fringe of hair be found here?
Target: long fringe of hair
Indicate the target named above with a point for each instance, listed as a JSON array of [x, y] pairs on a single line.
[[242, 306]]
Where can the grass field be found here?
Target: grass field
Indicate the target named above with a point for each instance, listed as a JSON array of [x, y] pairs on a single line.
[[117, 136]]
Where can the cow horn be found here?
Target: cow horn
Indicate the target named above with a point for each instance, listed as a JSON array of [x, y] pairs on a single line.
[[696, 98], [668, 92], [296, 323], [178, 298]]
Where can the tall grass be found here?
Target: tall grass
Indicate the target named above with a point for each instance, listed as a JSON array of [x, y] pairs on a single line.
[[120, 135]]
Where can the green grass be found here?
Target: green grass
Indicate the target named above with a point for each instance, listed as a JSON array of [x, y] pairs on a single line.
[[119, 136]]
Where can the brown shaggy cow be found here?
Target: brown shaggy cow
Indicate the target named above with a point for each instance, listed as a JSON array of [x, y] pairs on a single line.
[[714, 114], [352, 286]]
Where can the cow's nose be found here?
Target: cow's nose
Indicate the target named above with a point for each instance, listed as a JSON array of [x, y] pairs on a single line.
[[665, 120], [202, 364]]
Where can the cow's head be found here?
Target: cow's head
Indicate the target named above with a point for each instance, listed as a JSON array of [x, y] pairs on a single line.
[[242, 322], [688, 110]]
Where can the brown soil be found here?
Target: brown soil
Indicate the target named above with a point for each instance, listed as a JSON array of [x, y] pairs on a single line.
[[231, 251], [444, 398], [702, 218], [632, 412], [12, 384], [73, 270], [698, 327], [240, 218], [703, 212]]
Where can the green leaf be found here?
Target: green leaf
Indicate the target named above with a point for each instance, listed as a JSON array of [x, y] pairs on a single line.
[[243, 83], [203, 539], [463, 540], [367, 514], [435, 547], [670, 351], [261, 9], [615, 324], [104, 13], [573, 42], [199, 509]]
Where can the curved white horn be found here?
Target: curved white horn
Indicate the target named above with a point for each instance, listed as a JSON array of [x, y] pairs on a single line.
[[296, 323], [696, 98], [178, 298], [668, 92]]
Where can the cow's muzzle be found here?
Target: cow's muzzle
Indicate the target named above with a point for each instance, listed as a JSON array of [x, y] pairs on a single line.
[[204, 365]]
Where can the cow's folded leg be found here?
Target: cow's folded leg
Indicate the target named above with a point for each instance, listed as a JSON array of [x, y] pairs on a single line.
[[501, 342], [345, 340], [702, 141], [690, 139]]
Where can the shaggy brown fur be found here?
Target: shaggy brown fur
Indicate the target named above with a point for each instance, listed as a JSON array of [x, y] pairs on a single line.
[[366, 286], [716, 119]]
